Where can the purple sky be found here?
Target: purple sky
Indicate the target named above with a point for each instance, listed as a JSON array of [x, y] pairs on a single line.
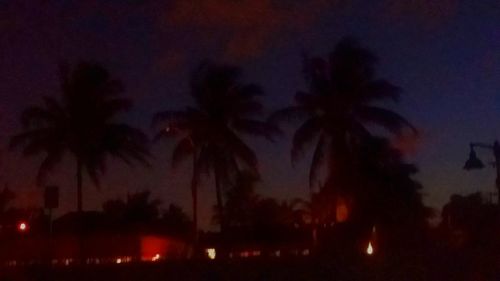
[[444, 54]]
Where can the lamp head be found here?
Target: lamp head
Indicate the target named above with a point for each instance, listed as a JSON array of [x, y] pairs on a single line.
[[473, 162]]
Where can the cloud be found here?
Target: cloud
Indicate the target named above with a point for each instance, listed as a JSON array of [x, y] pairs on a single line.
[[246, 27]]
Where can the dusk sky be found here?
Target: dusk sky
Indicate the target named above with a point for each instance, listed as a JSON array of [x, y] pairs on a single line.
[[445, 54]]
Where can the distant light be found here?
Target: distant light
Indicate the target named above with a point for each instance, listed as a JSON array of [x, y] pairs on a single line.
[[156, 257], [342, 211], [244, 254], [118, 260], [369, 249], [211, 253], [22, 226]]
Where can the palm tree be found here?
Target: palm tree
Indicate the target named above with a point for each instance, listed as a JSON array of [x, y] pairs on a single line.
[[343, 100], [209, 131], [81, 123]]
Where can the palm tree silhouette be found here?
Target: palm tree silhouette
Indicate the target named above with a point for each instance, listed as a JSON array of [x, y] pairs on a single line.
[[209, 131], [82, 123], [339, 107]]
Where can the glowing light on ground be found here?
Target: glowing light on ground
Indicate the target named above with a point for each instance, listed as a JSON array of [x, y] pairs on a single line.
[[118, 260], [156, 257], [211, 253], [244, 254], [369, 249]]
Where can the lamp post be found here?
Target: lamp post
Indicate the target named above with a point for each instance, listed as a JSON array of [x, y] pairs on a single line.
[[475, 163]]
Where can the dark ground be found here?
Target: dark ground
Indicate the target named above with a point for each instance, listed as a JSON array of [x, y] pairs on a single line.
[[368, 268]]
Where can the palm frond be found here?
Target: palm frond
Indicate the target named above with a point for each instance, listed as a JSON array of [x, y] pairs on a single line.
[[255, 128], [380, 89], [95, 176], [288, 114], [53, 105], [249, 91], [36, 116], [239, 149], [247, 108], [169, 116], [125, 141], [205, 159], [162, 134], [28, 136], [304, 135], [115, 106], [317, 161], [308, 101], [182, 150], [53, 158], [385, 118]]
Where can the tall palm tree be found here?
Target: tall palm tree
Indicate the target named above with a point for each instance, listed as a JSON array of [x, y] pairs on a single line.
[[82, 123], [342, 103], [209, 131]]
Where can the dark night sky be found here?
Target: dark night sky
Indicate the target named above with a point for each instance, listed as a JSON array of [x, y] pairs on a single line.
[[445, 54]]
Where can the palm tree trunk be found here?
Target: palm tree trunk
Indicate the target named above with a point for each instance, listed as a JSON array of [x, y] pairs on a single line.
[[79, 183], [314, 222], [220, 206], [194, 195]]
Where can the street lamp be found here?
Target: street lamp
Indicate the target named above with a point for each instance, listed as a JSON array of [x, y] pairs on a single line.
[[475, 163]]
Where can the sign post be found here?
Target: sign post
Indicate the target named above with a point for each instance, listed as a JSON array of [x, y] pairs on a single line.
[[51, 198]]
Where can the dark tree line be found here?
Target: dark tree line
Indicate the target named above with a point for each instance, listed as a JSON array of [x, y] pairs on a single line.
[[352, 166]]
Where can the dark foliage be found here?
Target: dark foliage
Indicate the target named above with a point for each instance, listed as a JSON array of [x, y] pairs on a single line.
[[252, 218]]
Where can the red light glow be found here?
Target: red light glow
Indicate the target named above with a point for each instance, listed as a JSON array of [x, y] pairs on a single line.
[[22, 226], [153, 248]]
